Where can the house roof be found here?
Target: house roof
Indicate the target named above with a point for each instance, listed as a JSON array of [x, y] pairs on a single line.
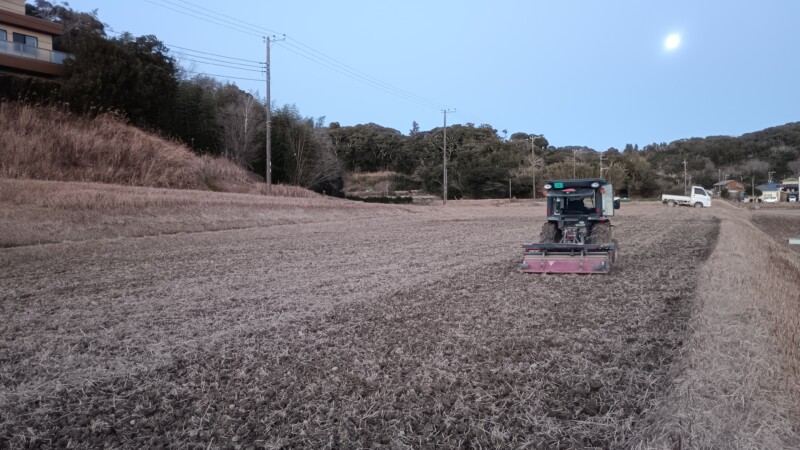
[[769, 187], [790, 180], [725, 182]]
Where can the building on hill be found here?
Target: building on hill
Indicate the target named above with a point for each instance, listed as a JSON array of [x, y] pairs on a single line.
[[733, 187], [26, 43]]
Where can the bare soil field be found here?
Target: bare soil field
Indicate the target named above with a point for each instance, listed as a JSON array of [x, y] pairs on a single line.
[[320, 324], [780, 225]]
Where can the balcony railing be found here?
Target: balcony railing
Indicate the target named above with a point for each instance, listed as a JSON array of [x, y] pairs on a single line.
[[27, 51]]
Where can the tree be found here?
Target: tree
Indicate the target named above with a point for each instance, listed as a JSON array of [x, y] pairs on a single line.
[[326, 177], [756, 168], [77, 25], [414, 129], [564, 170], [131, 75], [794, 166], [641, 177], [303, 154], [242, 117], [615, 174], [194, 118]]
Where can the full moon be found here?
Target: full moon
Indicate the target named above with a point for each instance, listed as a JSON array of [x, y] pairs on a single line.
[[673, 41]]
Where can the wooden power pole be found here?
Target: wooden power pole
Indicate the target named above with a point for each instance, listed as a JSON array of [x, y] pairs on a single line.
[[268, 40], [444, 157]]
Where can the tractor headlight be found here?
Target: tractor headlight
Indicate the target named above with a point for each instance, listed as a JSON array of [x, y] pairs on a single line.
[[548, 186], [595, 185]]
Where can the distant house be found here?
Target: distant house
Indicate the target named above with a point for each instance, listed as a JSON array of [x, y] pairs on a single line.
[[770, 193], [26, 43], [733, 187], [789, 186]]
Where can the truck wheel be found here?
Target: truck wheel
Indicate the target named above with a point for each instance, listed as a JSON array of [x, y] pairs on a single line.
[[671, 203], [698, 205], [550, 233], [600, 233]]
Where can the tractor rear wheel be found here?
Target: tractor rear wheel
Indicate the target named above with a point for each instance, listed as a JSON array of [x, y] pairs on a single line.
[[550, 233], [600, 233]]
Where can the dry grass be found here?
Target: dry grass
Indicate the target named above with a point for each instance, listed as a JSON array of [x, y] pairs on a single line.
[[375, 183], [45, 143], [408, 330], [332, 323], [738, 382], [36, 212], [103, 197]]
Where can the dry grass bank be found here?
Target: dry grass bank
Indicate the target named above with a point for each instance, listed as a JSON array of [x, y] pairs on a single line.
[[45, 143], [738, 382]]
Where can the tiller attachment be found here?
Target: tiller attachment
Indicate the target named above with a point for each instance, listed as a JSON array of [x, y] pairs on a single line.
[[567, 258]]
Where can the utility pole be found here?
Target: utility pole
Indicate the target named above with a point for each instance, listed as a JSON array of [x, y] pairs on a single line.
[[444, 157], [769, 175], [574, 152], [267, 41], [533, 169], [601, 165], [685, 192]]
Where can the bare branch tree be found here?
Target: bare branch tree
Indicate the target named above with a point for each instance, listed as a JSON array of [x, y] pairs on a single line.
[[241, 120], [794, 166]]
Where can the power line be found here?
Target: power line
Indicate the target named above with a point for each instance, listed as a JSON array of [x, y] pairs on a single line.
[[232, 18], [186, 49], [222, 65], [235, 23], [216, 62], [364, 75], [224, 76], [323, 63], [241, 30], [295, 46], [376, 84], [306, 51], [213, 54]]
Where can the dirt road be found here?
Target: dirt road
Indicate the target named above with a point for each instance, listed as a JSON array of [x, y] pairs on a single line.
[[402, 329]]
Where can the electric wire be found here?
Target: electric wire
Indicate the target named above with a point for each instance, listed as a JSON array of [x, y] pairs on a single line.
[[204, 60], [224, 76], [398, 93], [361, 74], [216, 17], [213, 54], [204, 19], [297, 47], [302, 50], [221, 65], [216, 13], [186, 49]]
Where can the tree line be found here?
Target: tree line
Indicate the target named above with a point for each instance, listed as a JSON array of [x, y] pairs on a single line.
[[138, 78]]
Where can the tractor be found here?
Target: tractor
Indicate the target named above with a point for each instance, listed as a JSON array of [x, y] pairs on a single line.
[[577, 235]]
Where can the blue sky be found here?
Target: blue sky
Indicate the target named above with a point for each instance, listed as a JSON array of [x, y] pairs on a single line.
[[580, 72]]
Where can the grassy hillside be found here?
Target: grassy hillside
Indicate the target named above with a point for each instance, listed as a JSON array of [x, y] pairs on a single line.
[[46, 143]]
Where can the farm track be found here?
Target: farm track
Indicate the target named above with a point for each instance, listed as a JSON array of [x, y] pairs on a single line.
[[397, 331]]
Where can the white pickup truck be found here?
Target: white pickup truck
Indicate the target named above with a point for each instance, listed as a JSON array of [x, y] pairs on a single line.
[[700, 198]]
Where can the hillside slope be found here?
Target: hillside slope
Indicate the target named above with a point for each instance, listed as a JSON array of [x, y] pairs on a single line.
[[46, 143]]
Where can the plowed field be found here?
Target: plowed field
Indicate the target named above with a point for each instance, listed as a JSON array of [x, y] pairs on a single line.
[[402, 330]]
